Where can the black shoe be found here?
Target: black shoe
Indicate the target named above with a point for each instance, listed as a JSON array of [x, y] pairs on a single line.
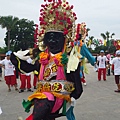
[[29, 90], [21, 91], [117, 91], [35, 87]]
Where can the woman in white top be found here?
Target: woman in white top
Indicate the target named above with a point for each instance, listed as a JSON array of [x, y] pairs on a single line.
[[116, 63]]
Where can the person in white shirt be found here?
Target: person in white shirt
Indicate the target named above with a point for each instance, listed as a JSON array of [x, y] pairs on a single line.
[[116, 63], [102, 60], [9, 71]]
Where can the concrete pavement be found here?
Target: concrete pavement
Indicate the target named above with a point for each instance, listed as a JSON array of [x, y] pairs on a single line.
[[98, 101]]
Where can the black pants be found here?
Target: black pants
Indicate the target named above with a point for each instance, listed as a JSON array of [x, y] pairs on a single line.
[[42, 109]]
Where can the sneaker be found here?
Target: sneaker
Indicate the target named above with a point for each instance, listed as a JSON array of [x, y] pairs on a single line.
[[84, 84], [29, 90], [21, 91], [35, 87]]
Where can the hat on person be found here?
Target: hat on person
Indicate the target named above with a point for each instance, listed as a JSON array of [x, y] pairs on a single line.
[[118, 52], [8, 53], [102, 51]]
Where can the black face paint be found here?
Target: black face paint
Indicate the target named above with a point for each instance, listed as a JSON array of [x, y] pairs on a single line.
[[54, 41]]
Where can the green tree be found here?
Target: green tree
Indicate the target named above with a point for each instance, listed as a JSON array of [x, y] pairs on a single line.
[[107, 36], [22, 35], [88, 29], [96, 42], [90, 41], [3, 50], [8, 22]]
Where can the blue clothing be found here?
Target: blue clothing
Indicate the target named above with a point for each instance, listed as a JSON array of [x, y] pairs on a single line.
[[85, 52], [70, 115]]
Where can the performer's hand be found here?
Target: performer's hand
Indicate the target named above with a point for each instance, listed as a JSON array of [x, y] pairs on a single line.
[[73, 101]]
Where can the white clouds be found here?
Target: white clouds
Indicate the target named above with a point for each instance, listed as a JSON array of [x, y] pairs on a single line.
[[99, 15]]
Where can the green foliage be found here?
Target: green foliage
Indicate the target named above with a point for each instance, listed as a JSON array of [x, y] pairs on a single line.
[[112, 49], [3, 50], [22, 35], [8, 22]]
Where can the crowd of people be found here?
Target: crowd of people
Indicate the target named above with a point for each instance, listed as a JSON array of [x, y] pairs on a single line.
[[108, 64], [11, 74], [105, 65]]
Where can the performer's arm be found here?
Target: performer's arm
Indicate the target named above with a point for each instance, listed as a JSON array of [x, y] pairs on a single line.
[[24, 65], [74, 76]]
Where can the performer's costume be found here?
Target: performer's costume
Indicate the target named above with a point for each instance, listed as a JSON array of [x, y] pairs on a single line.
[[58, 69]]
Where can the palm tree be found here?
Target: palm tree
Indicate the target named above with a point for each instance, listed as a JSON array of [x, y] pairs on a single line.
[[90, 41], [8, 22], [88, 29], [107, 37]]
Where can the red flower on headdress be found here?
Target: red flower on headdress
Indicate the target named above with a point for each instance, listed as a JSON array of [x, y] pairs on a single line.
[[65, 18], [72, 44], [74, 14], [46, 5], [41, 23], [68, 21], [64, 13], [44, 13], [54, 22], [41, 14], [65, 31], [68, 8], [42, 5], [41, 19], [50, 0], [60, 2], [64, 5], [75, 18], [45, 23], [57, 13], [36, 25], [41, 10], [66, 2], [61, 23], [51, 11], [71, 6]]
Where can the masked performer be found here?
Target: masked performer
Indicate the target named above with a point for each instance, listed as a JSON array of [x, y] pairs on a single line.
[[58, 69]]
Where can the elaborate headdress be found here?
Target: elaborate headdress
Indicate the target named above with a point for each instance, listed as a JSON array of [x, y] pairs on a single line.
[[57, 15]]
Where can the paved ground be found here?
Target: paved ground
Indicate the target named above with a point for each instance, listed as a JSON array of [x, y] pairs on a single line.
[[98, 101]]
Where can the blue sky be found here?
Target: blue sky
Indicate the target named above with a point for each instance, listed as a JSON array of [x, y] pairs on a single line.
[[99, 15]]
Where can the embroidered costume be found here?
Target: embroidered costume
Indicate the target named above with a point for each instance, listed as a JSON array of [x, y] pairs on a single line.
[[58, 63]]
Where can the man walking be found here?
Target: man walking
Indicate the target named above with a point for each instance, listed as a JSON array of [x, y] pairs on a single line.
[[116, 63], [102, 60]]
